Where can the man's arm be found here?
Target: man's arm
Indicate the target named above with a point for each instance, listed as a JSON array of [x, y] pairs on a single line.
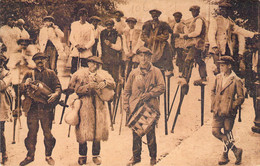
[[91, 42], [240, 94], [197, 30], [128, 91], [159, 88]]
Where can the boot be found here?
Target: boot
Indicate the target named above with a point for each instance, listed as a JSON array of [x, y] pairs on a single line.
[[82, 160], [96, 160], [50, 160], [133, 161], [223, 159], [4, 158], [153, 161], [26, 161], [238, 154]]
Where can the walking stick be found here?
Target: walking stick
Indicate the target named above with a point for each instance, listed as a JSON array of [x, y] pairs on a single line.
[[111, 116], [68, 92], [165, 109], [122, 113], [170, 110], [202, 104]]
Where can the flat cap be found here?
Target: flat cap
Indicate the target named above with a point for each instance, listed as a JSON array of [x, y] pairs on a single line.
[[131, 19], [109, 21], [177, 13], [94, 59], [38, 55], [48, 18], [143, 49], [94, 18], [24, 41], [195, 7], [120, 12], [156, 11], [226, 60], [2, 57], [224, 4]]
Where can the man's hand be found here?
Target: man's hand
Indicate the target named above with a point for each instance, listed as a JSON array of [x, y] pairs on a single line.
[[168, 73], [185, 37], [216, 50], [53, 97], [80, 47], [92, 85], [145, 96], [101, 85], [28, 81], [107, 42]]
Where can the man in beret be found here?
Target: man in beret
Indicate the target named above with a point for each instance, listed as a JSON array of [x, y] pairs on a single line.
[[145, 84], [95, 20], [50, 42], [226, 96], [195, 43], [177, 42], [5, 109], [82, 39], [38, 110], [155, 34], [93, 125], [120, 24], [131, 42], [220, 30]]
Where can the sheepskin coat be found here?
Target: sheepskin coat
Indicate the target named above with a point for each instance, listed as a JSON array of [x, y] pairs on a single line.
[[93, 123]]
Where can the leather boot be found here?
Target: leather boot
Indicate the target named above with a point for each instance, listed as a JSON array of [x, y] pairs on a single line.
[[133, 161], [26, 161], [223, 159], [96, 160], [238, 154], [153, 161], [82, 160]]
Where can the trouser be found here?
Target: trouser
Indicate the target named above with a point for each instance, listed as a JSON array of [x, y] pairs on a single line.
[[52, 53], [83, 148], [180, 58], [33, 118], [151, 142], [2, 137], [94, 48], [194, 54], [112, 69], [75, 63]]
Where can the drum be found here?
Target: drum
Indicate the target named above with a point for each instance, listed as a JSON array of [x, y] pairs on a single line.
[[105, 94], [143, 119]]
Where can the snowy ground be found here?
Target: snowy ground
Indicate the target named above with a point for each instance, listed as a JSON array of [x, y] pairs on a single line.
[[118, 149]]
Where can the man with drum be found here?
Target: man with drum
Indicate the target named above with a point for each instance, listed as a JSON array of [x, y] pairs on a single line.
[[92, 107], [40, 108], [144, 86]]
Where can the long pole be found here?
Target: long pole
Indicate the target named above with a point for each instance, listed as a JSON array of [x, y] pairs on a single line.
[[202, 104]]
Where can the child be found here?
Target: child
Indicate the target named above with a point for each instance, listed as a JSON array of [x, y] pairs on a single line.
[[227, 94]]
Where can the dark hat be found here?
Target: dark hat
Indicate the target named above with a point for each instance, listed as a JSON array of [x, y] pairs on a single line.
[[144, 50], [94, 59], [82, 11], [177, 13], [24, 42], [2, 57], [195, 7], [94, 18], [224, 4], [48, 18], [120, 12], [38, 55], [226, 60], [110, 21], [156, 11], [131, 19]]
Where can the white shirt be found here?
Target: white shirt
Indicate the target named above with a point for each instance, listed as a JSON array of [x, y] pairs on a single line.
[[197, 30]]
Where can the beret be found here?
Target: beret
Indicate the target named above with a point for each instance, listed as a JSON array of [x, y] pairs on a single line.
[[94, 59], [156, 11], [50, 18], [131, 19], [144, 50], [38, 55], [195, 7], [226, 60]]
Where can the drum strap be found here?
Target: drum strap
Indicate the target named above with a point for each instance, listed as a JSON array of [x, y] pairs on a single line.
[[33, 75]]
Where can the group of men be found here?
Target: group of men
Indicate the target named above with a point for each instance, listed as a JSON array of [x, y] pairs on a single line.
[[101, 58]]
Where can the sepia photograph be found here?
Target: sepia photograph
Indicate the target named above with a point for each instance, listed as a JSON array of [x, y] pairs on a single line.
[[129, 82]]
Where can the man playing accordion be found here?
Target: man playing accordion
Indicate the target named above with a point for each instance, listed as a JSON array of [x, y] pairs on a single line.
[[144, 85]]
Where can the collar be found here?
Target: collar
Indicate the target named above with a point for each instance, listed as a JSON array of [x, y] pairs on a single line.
[[232, 74], [39, 70], [145, 70]]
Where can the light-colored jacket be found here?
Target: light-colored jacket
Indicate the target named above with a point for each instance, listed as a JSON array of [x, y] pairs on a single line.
[[179, 28], [4, 101], [54, 35], [93, 122], [226, 98], [220, 30], [82, 34]]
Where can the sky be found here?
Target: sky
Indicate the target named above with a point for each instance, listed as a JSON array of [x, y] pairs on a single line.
[[140, 8]]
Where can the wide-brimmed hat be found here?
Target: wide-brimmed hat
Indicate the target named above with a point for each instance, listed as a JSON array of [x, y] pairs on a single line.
[[110, 21], [131, 19], [38, 55], [94, 18], [95, 59], [49, 18], [120, 12], [158, 12], [226, 60], [194, 7], [144, 50]]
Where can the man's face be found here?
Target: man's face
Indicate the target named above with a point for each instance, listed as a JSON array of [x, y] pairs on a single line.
[[95, 22], [131, 24], [93, 66], [155, 15], [195, 13], [177, 18], [83, 17], [48, 23], [10, 22], [19, 25], [144, 58], [40, 62], [225, 68], [109, 27]]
